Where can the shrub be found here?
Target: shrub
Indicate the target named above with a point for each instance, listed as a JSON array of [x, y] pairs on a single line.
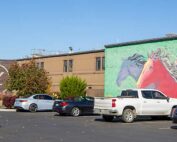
[[72, 86], [1, 97], [8, 101]]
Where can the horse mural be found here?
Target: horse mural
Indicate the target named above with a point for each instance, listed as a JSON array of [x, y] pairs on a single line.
[[158, 73], [132, 66]]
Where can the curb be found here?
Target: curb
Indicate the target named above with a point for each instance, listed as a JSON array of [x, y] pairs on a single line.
[[7, 110]]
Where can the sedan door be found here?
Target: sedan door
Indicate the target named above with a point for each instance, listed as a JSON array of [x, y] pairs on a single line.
[[87, 106], [48, 101], [45, 102]]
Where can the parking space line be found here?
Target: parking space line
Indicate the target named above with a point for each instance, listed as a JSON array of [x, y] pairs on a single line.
[[167, 128]]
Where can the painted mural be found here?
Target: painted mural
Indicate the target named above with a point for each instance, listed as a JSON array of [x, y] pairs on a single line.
[[152, 65], [132, 66], [155, 73], [159, 73]]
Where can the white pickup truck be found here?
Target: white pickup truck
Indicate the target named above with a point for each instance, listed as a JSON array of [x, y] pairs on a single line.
[[135, 102]]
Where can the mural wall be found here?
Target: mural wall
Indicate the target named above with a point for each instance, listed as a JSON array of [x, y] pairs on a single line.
[[148, 65]]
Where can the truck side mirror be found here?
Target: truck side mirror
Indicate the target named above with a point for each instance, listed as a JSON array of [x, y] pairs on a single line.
[[168, 99]]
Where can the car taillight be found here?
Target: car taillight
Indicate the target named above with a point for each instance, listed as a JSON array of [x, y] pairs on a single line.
[[23, 101], [63, 104], [113, 102]]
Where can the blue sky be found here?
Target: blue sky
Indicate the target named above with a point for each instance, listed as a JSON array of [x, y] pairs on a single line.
[[54, 25]]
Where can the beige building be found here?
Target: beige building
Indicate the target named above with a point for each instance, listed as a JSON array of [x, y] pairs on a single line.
[[89, 65]]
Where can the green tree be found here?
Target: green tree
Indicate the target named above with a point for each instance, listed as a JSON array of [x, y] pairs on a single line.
[[27, 79], [72, 86]]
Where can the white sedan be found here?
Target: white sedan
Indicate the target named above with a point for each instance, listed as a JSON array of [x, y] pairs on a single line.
[[34, 103]]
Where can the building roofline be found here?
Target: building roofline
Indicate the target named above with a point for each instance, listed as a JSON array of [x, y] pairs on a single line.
[[64, 54], [141, 41], [7, 60]]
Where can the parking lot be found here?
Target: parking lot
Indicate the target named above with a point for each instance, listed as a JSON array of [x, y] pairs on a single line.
[[49, 127]]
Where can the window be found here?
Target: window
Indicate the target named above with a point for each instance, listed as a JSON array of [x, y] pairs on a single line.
[[153, 95], [68, 65], [89, 98], [40, 65], [36, 97], [147, 94], [46, 97], [37, 65], [158, 95], [103, 63], [98, 63], [41, 97], [65, 66], [79, 99], [130, 93]]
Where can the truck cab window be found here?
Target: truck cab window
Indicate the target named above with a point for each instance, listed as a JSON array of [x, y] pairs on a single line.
[[133, 94], [158, 95], [147, 94]]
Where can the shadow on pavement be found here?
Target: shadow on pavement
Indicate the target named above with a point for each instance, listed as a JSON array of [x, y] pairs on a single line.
[[115, 120], [138, 119], [174, 127], [82, 115]]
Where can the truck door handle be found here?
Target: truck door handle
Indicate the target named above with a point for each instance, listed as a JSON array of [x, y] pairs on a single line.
[[145, 102], [158, 102]]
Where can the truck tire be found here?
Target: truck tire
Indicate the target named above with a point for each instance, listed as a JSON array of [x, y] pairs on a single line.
[[108, 118], [172, 111], [128, 116]]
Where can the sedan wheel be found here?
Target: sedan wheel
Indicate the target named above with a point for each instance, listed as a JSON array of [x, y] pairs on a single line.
[[75, 111], [33, 108]]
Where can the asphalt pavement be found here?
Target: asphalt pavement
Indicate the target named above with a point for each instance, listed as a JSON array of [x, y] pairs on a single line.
[[49, 127]]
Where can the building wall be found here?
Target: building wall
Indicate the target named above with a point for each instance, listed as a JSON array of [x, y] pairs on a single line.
[[84, 66], [146, 65], [4, 66]]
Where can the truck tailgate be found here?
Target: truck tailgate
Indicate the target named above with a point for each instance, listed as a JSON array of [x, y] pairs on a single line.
[[103, 103]]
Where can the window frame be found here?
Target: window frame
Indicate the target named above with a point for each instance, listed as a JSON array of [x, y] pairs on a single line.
[[161, 98], [98, 63], [70, 65], [40, 65], [128, 92], [103, 63], [65, 66], [46, 97], [142, 92]]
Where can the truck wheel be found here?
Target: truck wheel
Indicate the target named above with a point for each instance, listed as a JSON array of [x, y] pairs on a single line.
[[172, 112], [108, 118], [128, 116]]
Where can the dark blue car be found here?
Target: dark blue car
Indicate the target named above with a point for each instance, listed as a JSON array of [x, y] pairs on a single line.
[[174, 118], [74, 106]]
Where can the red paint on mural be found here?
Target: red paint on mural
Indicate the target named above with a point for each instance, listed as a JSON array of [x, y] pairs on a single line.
[[155, 75]]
